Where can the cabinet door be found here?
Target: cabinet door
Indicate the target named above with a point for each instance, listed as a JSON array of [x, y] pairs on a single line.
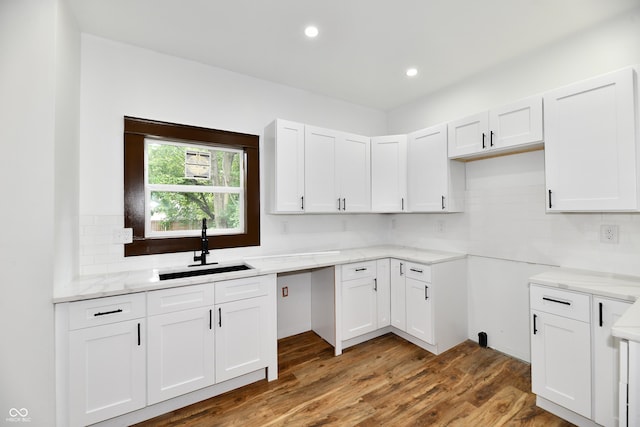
[[289, 167], [180, 356], [428, 170], [359, 301], [590, 145], [398, 292], [321, 194], [353, 162], [561, 361], [383, 290], [389, 173], [516, 124], [419, 306], [469, 135], [606, 359], [107, 371], [242, 337]]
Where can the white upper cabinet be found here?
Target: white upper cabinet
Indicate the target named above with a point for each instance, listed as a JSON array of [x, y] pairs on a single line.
[[389, 173], [284, 149], [591, 149], [320, 169], [353, 163], [337, 171], [434, 183], [510, 128]]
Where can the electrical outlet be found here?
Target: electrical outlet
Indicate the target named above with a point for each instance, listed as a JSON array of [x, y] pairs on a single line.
[[123, 235], [285, 291], [441, 226], [609, 234]]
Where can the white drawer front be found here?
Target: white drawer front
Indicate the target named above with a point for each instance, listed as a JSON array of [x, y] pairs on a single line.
[[233, 290], [102, 311], [572, 305], [359, 270], [182, 298], [418, 271]]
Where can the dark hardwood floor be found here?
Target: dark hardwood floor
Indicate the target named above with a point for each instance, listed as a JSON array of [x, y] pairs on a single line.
[[383, 382]]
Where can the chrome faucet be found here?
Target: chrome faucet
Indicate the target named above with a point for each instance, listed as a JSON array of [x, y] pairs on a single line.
[[204, 245]]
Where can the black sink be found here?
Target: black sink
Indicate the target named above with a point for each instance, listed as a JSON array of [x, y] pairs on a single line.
[[204, 272]]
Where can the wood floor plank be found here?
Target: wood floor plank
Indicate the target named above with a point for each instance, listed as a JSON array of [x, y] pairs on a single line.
[[386, 381]]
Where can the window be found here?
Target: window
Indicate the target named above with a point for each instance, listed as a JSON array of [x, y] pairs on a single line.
[[175, 175]]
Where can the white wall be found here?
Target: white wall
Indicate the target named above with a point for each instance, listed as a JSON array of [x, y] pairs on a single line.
[[504, 227], [35, 35], [294, 306], [119, 80]]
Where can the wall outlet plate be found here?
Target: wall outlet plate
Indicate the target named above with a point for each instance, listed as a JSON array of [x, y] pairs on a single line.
[[609, 234], [123, 235]]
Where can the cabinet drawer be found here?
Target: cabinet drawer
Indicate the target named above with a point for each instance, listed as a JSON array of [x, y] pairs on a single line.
[[182, 298], [568, 304], [418, 271], [102, 311], [358, 270], [233, 290]]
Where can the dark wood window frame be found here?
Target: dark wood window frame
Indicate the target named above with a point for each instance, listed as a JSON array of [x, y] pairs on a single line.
[[135, 132]]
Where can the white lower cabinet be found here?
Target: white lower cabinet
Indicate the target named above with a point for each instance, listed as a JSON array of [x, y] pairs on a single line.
[[180, 341], [561, 361], [398, 292], [428, 303], [106, 359], [119, 354], [245, 326], [606, 359], [359, 299], [365, 297], [419, 309], [574, 357], [241, 337]]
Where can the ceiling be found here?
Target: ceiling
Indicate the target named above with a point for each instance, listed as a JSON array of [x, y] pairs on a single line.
[[364, 46]]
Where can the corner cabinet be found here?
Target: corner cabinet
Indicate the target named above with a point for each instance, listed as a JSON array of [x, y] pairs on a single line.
[[434, 183], [511, 128], [428, 303], [389, 173], [591, 145], [284, 151]]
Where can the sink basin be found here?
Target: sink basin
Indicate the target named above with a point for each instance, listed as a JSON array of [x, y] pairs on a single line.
[[204, 271]]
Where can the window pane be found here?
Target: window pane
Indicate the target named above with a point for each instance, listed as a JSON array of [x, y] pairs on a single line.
[[179, 164], [173, 211]]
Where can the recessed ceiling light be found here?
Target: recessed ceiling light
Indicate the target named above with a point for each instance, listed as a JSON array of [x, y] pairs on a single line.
[[412, 72], [311, 31]]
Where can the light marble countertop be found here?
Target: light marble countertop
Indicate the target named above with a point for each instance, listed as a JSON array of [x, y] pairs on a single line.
[[602, 284], [96, 286]]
